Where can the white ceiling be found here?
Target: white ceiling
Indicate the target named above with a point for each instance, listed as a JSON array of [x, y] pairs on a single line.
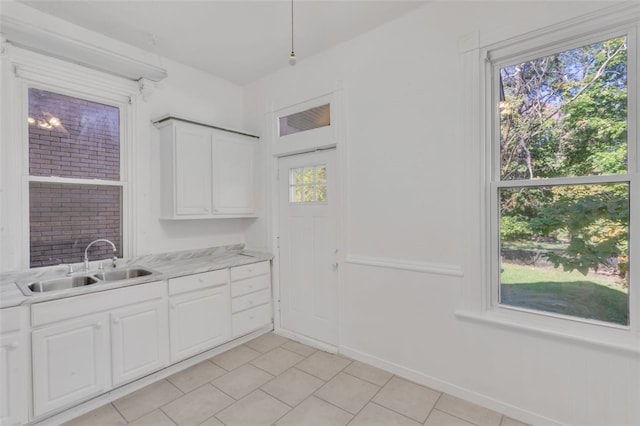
[[239, 40]]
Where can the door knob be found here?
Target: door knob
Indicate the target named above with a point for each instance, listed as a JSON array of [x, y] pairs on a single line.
[[335, 265]]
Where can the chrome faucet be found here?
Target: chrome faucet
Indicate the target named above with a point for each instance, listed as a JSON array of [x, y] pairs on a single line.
[[86, 253]]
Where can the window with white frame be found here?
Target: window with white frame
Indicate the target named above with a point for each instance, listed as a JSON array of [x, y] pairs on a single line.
[[563, 170], [74, 173]]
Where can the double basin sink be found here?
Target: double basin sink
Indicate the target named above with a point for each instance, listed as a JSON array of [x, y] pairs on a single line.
[[84, 280]]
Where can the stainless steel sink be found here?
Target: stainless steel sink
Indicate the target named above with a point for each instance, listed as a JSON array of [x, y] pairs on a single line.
[[122, 274], [61, 283]]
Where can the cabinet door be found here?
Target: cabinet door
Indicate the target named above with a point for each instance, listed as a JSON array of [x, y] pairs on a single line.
[[13, 380], [192, 171], [139, 340], [70, 362], [233, 174], [199, 321]]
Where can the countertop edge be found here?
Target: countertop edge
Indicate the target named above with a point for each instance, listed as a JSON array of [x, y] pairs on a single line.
[[11, 295]]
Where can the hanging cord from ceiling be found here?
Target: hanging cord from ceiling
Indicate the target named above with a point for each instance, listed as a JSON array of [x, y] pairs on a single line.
[[292, 57]]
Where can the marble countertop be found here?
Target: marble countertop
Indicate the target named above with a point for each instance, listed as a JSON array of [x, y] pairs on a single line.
[[164, 266]]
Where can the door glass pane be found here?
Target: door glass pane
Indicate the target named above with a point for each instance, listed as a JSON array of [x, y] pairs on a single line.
[[565, 250], [321, 174], [322, 192], [308, 184], [310, 119]]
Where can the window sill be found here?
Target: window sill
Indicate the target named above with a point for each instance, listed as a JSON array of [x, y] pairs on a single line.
[[620, 340]]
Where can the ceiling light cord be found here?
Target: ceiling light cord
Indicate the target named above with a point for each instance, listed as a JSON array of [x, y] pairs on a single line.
[[292, 57]]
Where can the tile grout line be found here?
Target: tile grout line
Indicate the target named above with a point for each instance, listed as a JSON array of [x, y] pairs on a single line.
[[119, 413], [275, 397], [435, 404], [370, 399], [168, 416], [368, 381]]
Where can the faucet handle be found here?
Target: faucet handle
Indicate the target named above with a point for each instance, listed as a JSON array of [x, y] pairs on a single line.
[[113, 261], [70, 269]]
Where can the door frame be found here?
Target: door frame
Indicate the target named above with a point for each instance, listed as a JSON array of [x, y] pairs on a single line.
[[334, 139]]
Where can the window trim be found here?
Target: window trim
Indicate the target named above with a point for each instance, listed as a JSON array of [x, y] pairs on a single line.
[[500, 57], [475, 300], [122, 183], [318, 138], [33, 70]]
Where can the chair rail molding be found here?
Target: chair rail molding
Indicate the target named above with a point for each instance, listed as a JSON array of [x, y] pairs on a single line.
[[406, 265]]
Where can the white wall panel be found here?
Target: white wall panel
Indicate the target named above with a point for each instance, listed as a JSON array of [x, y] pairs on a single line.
[[407, 202]]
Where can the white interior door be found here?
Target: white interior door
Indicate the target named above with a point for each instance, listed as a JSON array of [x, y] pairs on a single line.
[[308, 245]]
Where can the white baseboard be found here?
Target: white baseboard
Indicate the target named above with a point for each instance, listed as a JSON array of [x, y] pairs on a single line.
[[306, 340], [457, 391]]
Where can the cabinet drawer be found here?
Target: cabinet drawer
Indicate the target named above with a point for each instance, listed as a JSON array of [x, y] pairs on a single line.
[[249, 320], [251, 270], [250, 285], [197, 281], [250, 300], [10, 319], [78, 306]]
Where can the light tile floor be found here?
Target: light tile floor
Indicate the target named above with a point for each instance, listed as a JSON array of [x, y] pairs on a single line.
[[272, 380]]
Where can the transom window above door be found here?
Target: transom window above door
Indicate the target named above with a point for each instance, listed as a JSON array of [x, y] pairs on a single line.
[[308, 184], [308, 119]]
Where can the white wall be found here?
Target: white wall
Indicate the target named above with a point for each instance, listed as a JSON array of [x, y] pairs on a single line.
[[406, 200], [198, 96], [186, 92]]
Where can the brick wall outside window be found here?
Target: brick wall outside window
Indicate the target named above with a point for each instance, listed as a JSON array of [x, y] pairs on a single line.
[[64, 219], [73, 138], [85, 144]]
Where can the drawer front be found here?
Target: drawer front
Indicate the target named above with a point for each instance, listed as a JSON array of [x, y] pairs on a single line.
[[248, 271], [198, 281], [249, 320], [250, 300], [10, 319], [78, 306], [250, 285]]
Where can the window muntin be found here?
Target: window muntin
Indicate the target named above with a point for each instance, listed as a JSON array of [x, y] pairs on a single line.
[[308, 184], [75, 187], [562, 189], [303, 121]]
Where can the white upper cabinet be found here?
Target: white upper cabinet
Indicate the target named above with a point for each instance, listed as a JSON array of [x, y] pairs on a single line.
[[233, 165], [206, 172], [192, 184]]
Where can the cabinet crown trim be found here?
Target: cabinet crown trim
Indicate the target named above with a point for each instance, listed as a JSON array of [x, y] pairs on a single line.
[[160, 120]]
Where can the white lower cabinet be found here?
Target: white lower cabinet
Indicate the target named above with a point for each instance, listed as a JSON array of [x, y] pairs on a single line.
[[200, 319], [139, 341], [70, 362], [83, 346], [14, 356], [251, 297], [86, 345]]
